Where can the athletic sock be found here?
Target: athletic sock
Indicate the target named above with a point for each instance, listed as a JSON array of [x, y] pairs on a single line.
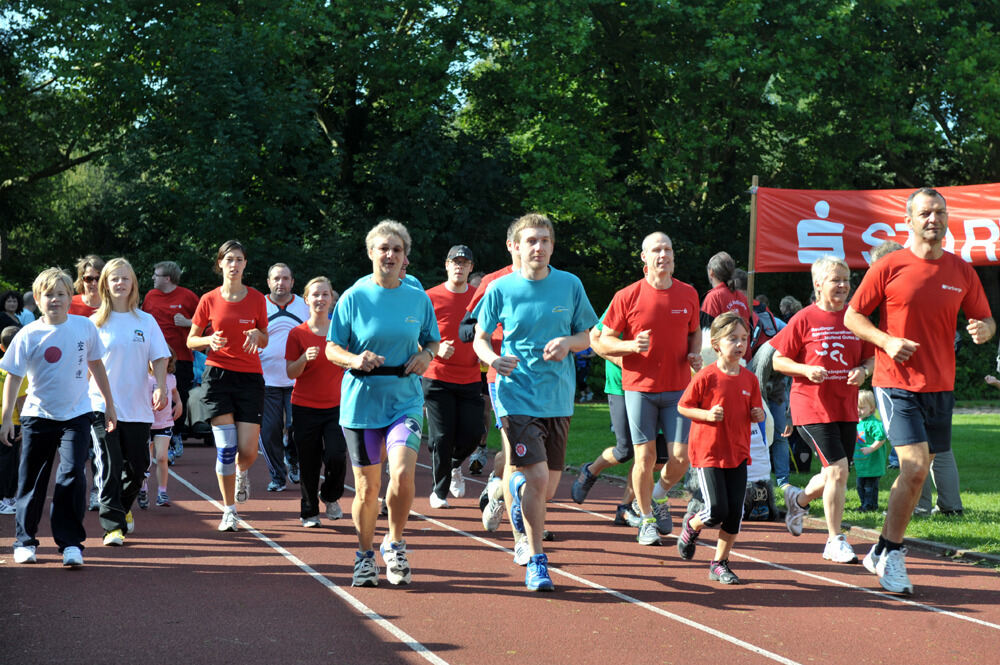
[[890, 546], [648, 516], [880, 546], [659, 492], [231, 509], [161, 489]]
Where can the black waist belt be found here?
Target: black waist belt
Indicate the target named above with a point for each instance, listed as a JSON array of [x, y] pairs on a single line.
[[384, 370]]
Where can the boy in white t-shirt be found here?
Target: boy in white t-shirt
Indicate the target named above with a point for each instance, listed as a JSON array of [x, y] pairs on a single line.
[[55, 353]]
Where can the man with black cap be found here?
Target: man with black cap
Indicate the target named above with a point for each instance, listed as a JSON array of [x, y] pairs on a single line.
[[452, 392]]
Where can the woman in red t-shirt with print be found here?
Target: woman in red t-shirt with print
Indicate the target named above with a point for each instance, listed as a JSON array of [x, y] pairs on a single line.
[[87, 298], [234, 383], [827, 363], [316, 407]]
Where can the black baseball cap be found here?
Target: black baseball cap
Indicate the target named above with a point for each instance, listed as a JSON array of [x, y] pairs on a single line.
[[460, 251]]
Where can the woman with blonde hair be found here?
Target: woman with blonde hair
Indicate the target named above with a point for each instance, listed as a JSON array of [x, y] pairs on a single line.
[[132, 340]]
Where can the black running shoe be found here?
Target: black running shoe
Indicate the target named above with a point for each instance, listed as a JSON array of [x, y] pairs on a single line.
[[687, 542], [719, 571]]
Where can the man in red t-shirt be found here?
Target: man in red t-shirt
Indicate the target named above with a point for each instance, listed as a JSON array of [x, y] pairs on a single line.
[[653, 325], [920, 290], [172, 306], [452, 389]]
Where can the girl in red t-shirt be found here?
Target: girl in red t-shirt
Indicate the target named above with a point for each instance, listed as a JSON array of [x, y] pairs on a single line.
[[234, 384], [316, 407], [722, 401]]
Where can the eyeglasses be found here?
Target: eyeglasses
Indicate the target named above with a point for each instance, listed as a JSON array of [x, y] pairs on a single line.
[[90, 279], [156, 274]]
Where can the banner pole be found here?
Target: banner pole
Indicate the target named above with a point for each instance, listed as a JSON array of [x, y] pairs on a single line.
[[753, 239]]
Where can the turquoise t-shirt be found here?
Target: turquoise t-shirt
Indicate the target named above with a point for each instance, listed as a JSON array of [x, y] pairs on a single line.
[[393, 323], [533, 312], [870, 430]]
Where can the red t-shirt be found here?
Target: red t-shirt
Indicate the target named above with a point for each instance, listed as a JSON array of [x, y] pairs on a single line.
[[80, 308], [920, 300], [671, 315], [318, 386], [163, 306], [726, 444], [720, 299], [816, 337], [450, 308], [231, 319], [497, 336]]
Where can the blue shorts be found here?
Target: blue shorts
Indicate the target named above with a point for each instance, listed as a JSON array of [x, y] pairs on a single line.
[[649, 413], [366, 445], [917, 417]]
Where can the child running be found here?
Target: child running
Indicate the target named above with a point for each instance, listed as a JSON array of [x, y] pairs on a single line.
[[871, 453], [161, 433], [721, 401]]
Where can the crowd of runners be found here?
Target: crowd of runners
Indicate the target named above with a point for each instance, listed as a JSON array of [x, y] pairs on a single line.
[[314, 381]]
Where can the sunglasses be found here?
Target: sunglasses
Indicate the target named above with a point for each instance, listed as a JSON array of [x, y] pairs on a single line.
[[90, 279]]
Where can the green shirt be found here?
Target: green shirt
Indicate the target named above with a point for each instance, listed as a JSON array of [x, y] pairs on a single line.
[[870, 430]]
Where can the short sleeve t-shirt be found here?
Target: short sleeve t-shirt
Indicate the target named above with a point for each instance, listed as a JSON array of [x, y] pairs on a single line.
[[232, 318], [449, 308], [670, 315], [54, 359], [164, 417], [612, 372], [80, 308], [394, 323], [920, 301], [532, 313], [817, 337], [131, 341], [318, 386], [870, 430], [497, 334], [280, 320], [726, 444], [163, 307]]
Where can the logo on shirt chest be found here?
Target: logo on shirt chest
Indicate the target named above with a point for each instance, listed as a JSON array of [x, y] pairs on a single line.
[[138, 336]]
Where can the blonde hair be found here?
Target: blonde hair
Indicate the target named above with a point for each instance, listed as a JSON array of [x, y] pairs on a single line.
[[824, 265], [104, 311], [867, 398], [723, 324], [533, 220], [314, 281], [47, 279], [385, 229]]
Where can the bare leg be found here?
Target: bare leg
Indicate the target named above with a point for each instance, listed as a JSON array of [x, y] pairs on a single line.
[[914, 463], [533, 503], [642, 475], [364, 508], [399, 493]]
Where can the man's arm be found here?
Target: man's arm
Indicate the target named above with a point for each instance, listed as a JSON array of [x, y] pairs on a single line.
[[483, 347], [982, 330], [467, 328], [898, 348], [557, 348], [612, 345]]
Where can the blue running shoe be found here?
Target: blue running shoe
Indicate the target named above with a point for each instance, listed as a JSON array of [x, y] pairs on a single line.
[[517, 481], [536, 577]]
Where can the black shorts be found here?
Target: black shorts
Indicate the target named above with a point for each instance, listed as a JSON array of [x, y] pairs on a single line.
[[831, 442], [916, 417], [533, 440], [161, 431], [238, 393]]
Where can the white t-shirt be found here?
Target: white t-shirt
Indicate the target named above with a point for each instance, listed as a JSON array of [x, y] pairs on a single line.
[[280, 320], [54, 358], [131, 341]]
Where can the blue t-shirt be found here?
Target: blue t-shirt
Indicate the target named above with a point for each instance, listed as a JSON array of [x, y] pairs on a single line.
[[394, 323], [533, 312]]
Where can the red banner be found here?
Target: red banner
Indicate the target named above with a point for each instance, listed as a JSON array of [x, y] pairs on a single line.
[[797, 226]]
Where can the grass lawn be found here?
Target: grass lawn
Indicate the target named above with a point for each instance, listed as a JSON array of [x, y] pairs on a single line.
[[976, 442]]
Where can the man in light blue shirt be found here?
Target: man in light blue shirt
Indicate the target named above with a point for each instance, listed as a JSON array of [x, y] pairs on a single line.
[[546, 317]]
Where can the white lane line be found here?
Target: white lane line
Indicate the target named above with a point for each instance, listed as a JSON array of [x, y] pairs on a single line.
[[847, 585], [365, 611], [627, 598]]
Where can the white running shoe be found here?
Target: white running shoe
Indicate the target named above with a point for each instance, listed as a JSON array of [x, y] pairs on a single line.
[[7, 507], [891, 570], [365, 569], [437, 502], [311, 522], [72, 557], [457, 486], [648, 535], [493, 513], [242, 486], [397, 568], [24, 554], [230, 521], [871, 560], [839, 550], [793, 511], [522, 551]]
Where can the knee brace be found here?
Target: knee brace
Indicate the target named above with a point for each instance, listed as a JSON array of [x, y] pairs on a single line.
[[225, 449]]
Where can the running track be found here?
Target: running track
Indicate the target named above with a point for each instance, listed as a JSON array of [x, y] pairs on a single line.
[[181, 592]]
